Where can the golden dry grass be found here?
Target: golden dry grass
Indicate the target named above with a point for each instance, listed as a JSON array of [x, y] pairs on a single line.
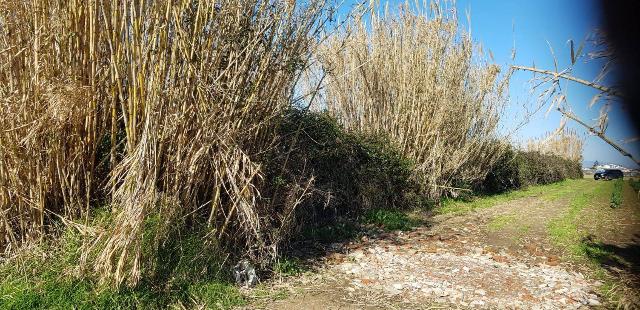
[[414, 75], [155, 108], [161, 110], [566, 143]]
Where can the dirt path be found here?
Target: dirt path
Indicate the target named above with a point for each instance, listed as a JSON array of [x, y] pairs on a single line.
[[505, 255]]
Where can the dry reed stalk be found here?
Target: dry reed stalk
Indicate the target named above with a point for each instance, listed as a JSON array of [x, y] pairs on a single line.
[[415, 76], [184, 94], [48, 118], [552, 94], [565, 143]]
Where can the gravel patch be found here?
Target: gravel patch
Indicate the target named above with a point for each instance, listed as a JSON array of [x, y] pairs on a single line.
[[472, 280]]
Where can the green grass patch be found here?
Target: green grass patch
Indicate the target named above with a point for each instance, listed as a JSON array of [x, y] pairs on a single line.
[[60, 291], [501, 221], [45, 277], [547, 192], [556, 191], [563, 230], [390, 219], [565, 233], [452, 206], [524, 229], [215, 295], [616, 195]]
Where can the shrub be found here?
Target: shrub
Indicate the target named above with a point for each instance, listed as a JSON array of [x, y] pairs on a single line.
[[518, 169], [504, 175], [351, 173]]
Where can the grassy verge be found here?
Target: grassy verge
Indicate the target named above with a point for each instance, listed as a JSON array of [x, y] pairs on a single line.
[[547, 192], [50, 290], [46, 277], [563, 230], [577, 229]]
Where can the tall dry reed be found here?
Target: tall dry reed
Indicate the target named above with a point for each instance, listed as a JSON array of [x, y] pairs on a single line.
[[566, 143], [49, 118], [156, 108], [412, 74]]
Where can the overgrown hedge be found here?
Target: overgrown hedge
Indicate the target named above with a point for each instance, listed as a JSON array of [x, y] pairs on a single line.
[[518, 169], [351, 173]]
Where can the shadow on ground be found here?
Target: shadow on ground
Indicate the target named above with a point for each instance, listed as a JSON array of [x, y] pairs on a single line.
[[615, 258], [318, 243]]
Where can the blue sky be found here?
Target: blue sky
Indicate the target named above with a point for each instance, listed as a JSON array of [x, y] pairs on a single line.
[[496, 24]]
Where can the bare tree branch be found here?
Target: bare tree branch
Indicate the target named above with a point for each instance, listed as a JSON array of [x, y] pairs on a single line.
[[598, 133], [604, 89]]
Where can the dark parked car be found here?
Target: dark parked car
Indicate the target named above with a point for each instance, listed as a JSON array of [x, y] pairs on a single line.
[[608, 174]]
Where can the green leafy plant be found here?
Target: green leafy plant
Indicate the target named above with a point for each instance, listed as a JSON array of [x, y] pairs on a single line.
[[390, 219], [616, 195], [289, 267], [352, 173]]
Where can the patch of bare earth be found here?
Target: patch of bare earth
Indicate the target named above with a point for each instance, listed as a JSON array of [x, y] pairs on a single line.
[[456, 262]]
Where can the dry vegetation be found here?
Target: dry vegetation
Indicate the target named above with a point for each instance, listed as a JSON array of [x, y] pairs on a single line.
[[156, 109], [415, 76], [150, 129], [566, 143]]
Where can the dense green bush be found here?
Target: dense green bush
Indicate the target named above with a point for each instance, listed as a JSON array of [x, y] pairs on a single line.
[[518, 169], [503, 176], [351, 173]]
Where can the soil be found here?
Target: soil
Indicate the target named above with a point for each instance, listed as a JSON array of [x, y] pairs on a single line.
[[498, 257]]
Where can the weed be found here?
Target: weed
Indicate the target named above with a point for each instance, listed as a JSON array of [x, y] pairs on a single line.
[[616, 195], [390, 219], [289, 267]]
